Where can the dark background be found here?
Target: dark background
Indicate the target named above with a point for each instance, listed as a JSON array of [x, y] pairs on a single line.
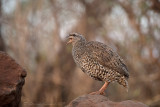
[[33, 32]]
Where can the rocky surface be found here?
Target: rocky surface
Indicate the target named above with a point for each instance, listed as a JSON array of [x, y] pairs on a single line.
[[11, 81], [102, 101]]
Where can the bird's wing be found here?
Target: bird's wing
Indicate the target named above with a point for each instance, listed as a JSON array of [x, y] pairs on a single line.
[[107, 57]]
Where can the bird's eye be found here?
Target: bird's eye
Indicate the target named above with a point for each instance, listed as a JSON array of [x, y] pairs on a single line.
[[70, 38]]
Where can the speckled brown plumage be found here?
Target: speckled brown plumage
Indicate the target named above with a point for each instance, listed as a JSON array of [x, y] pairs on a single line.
[[98, 60]]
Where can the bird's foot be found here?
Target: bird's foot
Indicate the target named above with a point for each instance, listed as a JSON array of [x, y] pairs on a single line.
[[97, 93]]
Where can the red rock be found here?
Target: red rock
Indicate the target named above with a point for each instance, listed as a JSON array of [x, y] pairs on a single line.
[[11, 81], [102, 101]]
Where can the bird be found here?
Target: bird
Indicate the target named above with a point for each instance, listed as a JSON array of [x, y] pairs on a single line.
[[99, 61]]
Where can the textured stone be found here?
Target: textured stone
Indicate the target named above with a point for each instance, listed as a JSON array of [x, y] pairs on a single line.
[[11, 81], [102, 101]]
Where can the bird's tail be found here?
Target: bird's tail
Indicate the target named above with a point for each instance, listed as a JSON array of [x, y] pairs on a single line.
[[123, 81]]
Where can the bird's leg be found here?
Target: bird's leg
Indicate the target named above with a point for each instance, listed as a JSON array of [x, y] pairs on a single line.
[[103, 88], [101, 91]]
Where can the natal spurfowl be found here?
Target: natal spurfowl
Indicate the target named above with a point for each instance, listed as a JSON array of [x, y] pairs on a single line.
[[98, 61]]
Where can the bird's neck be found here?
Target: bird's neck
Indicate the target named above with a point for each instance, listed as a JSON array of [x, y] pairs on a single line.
[[79, 44]]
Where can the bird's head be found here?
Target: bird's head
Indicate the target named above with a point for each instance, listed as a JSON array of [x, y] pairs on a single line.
[[74, 38]]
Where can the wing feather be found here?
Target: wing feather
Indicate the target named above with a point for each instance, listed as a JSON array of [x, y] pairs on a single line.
[[107, 57]]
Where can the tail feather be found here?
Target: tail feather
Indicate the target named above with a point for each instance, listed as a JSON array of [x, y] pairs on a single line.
[[123, 81]]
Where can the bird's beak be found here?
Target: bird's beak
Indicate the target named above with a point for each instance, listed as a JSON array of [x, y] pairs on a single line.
[[70, 41]]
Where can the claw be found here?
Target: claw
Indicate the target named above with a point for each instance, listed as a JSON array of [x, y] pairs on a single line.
[[98, 93]]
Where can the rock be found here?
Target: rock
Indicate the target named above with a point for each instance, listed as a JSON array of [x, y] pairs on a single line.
[[11, 81], [102, 101]]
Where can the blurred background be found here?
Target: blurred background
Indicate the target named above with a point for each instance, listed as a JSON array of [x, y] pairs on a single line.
[[33, 32]]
